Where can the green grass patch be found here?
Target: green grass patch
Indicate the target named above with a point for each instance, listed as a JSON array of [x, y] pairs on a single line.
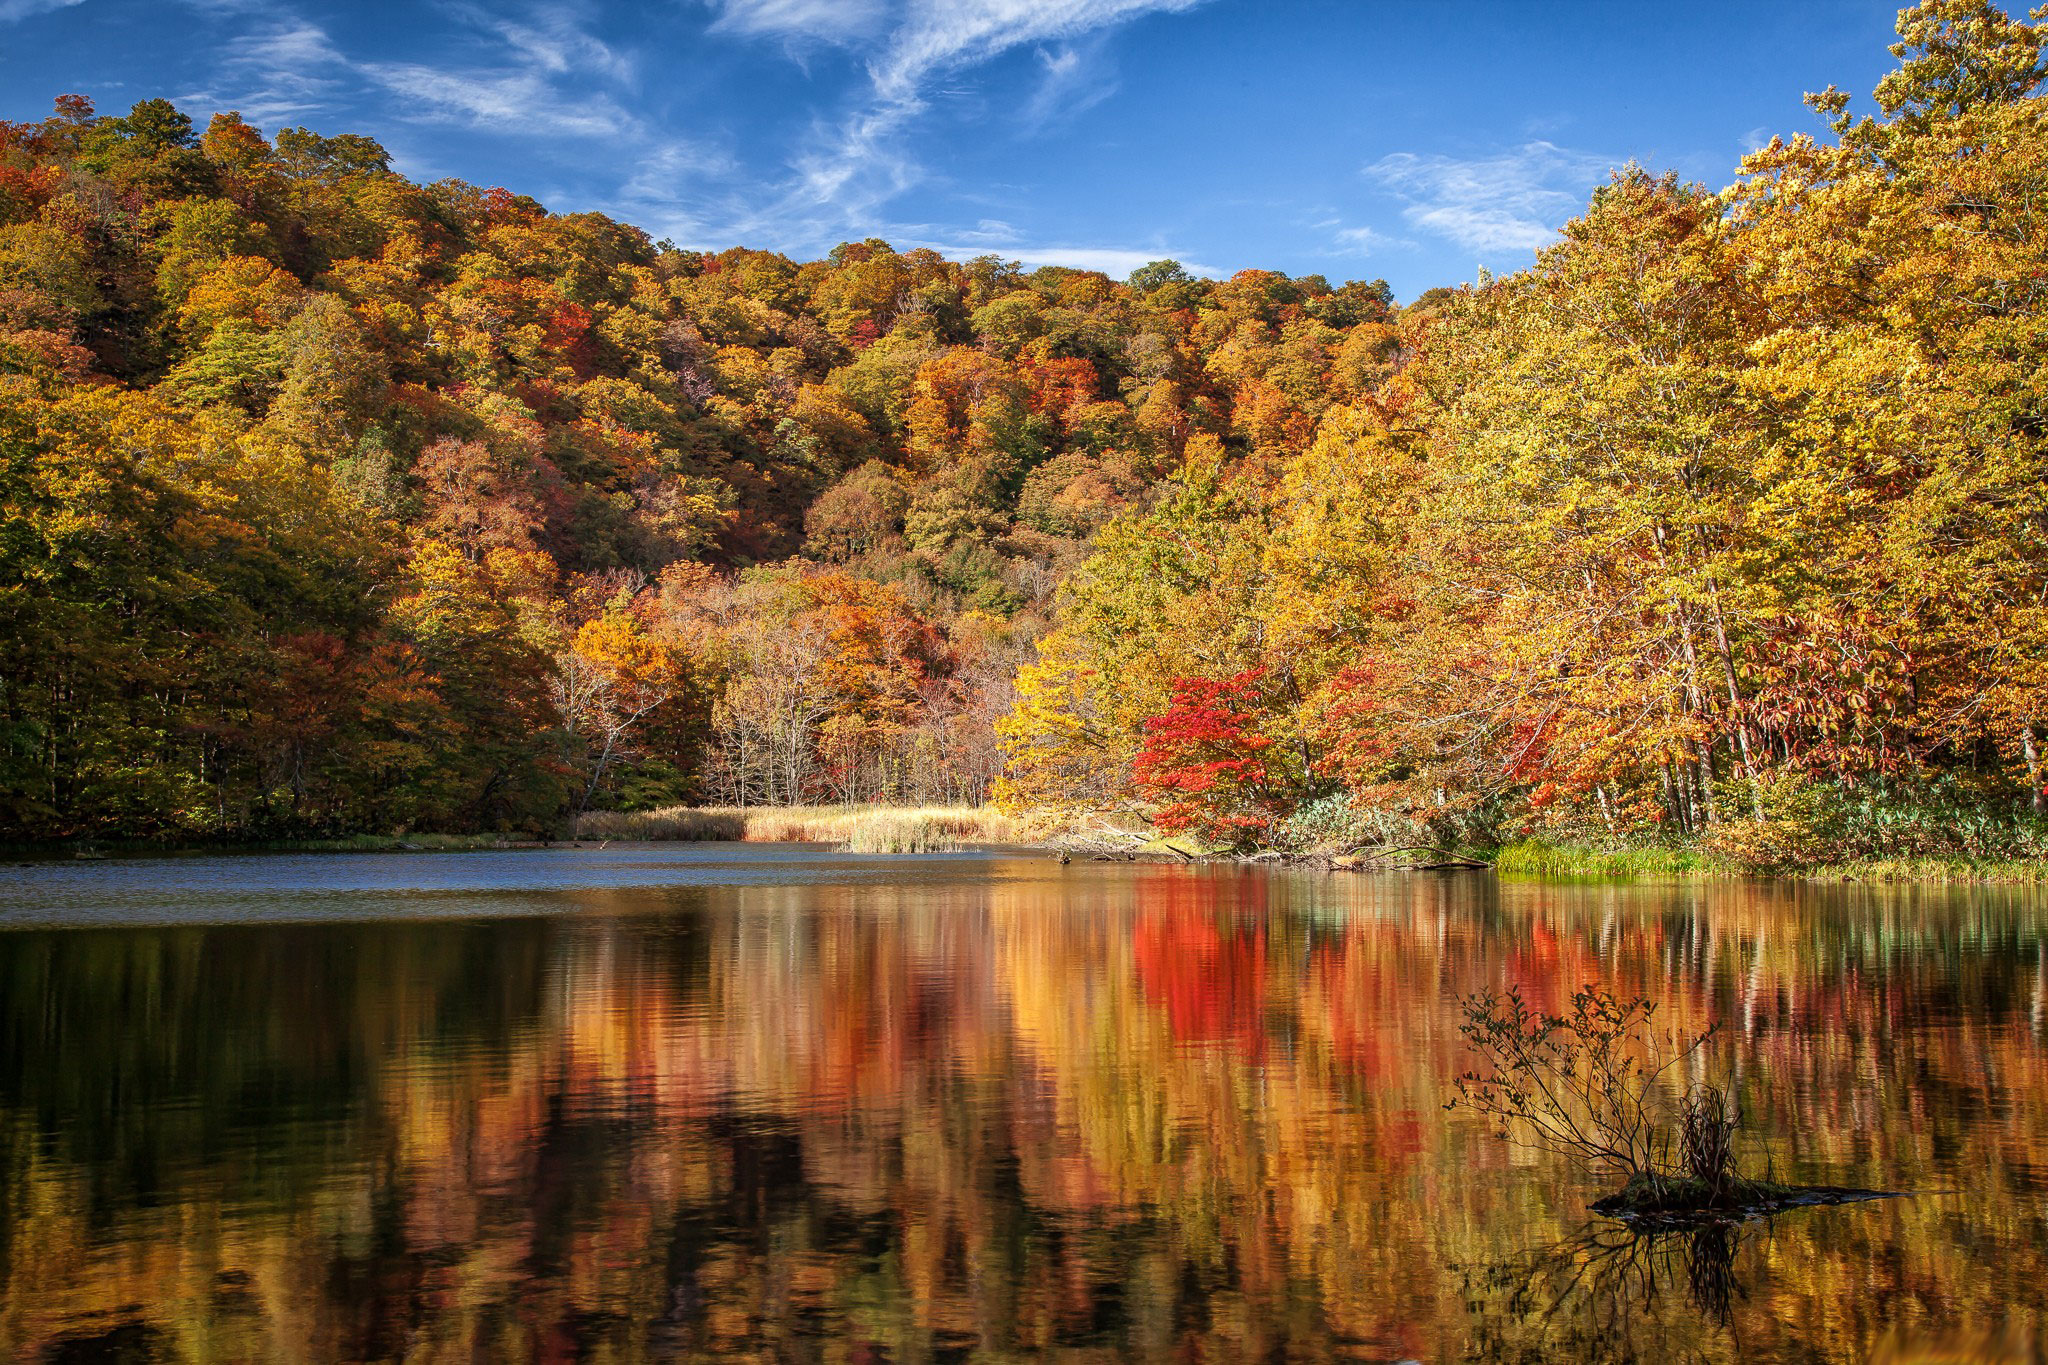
[[341, 843], [1535, 858], [1982, 871]]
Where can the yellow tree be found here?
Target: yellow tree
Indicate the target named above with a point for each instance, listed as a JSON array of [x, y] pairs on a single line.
[[1903, 268], [612, 683], [1589, 494]]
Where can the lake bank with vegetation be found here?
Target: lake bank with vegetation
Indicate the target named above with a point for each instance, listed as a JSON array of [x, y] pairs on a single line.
[[1122, 836]]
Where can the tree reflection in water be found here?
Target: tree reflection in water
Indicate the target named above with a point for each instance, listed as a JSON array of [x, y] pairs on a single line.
[[991, 1108], [1608, 1292]]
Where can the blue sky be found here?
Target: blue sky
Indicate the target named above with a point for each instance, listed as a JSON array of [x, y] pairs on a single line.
[[1358, 139]]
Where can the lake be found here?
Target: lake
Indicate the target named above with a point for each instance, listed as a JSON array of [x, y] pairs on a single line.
[[783, 1104]]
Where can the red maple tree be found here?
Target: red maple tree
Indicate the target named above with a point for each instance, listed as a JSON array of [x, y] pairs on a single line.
[[1204, 760]]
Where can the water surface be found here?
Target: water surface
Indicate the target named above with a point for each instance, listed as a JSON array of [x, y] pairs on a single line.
[[677, 1102]]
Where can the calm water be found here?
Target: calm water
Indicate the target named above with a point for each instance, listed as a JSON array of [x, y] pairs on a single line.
[[773, 1103]]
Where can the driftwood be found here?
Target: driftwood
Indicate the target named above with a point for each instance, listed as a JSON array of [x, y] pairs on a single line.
[[1387, 859], [1107, 844]]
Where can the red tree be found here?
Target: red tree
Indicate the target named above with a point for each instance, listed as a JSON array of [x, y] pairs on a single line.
[[1204, 760]]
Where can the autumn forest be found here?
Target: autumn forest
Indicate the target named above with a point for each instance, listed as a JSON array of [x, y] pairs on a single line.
[[334, 502]]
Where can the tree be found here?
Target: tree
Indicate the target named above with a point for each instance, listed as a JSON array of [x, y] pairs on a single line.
[[1206, 764], [611, 685], [1156, 275]]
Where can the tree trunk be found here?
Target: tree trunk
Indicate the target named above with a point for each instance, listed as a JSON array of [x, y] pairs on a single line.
[[1695, 696], [2033, 756], [1736, 723]]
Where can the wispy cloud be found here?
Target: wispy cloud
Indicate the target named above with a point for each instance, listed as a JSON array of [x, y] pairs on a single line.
[[528, 74], [501, 101], [681, 190], [1360, 241], [992, 232], [531, 76], [13, 11], [1117, 261], [1113, 261], [856, 165], [939, 36], [291, 46], [1073, 78], [1514, 201], [801, 21], [666, 167], [274, 70], [552, 39], [544, 70]]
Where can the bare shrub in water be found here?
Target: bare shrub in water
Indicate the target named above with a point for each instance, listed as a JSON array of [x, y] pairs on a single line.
[[1591, 1085], [1706, 1139], [1584, 1084]]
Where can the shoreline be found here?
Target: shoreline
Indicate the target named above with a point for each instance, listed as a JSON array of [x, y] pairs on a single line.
[[892, 829], [1539, 861]]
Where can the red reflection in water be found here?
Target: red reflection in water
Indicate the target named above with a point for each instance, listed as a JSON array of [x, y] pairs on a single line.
[[1203, 964]]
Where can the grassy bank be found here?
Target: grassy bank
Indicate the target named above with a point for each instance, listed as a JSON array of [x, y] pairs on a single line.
[[1533, 858], [859, 829], [1990, 871]]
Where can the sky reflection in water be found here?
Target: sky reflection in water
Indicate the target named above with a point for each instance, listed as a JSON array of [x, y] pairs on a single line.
[[671, 1102]]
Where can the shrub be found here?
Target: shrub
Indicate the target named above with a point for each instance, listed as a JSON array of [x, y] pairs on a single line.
[[1583, 1084], [1590, 1085]]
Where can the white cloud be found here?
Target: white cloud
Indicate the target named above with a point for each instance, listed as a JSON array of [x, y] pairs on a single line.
[[274, 72], [663, 168], [1515, 201], [938, 36], [521, 91], [502, 101], [1074, 78], [288, 67], [538, 69], [989, 231], [674, 193], [797, 21], [13, 11], [1362, 241], [289, 48], [1113, 261], [861, 162], [555, 42]]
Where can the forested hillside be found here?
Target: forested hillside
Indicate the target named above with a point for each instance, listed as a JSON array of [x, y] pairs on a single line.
[[330, 501], [334, 501], [1729, 519]]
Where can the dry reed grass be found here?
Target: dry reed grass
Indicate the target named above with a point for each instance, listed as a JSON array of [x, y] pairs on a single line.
[[858, 829]]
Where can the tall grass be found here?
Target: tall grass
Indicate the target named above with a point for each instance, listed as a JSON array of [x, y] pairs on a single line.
[[859, 829], [1989, 871], [1532, 858]]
